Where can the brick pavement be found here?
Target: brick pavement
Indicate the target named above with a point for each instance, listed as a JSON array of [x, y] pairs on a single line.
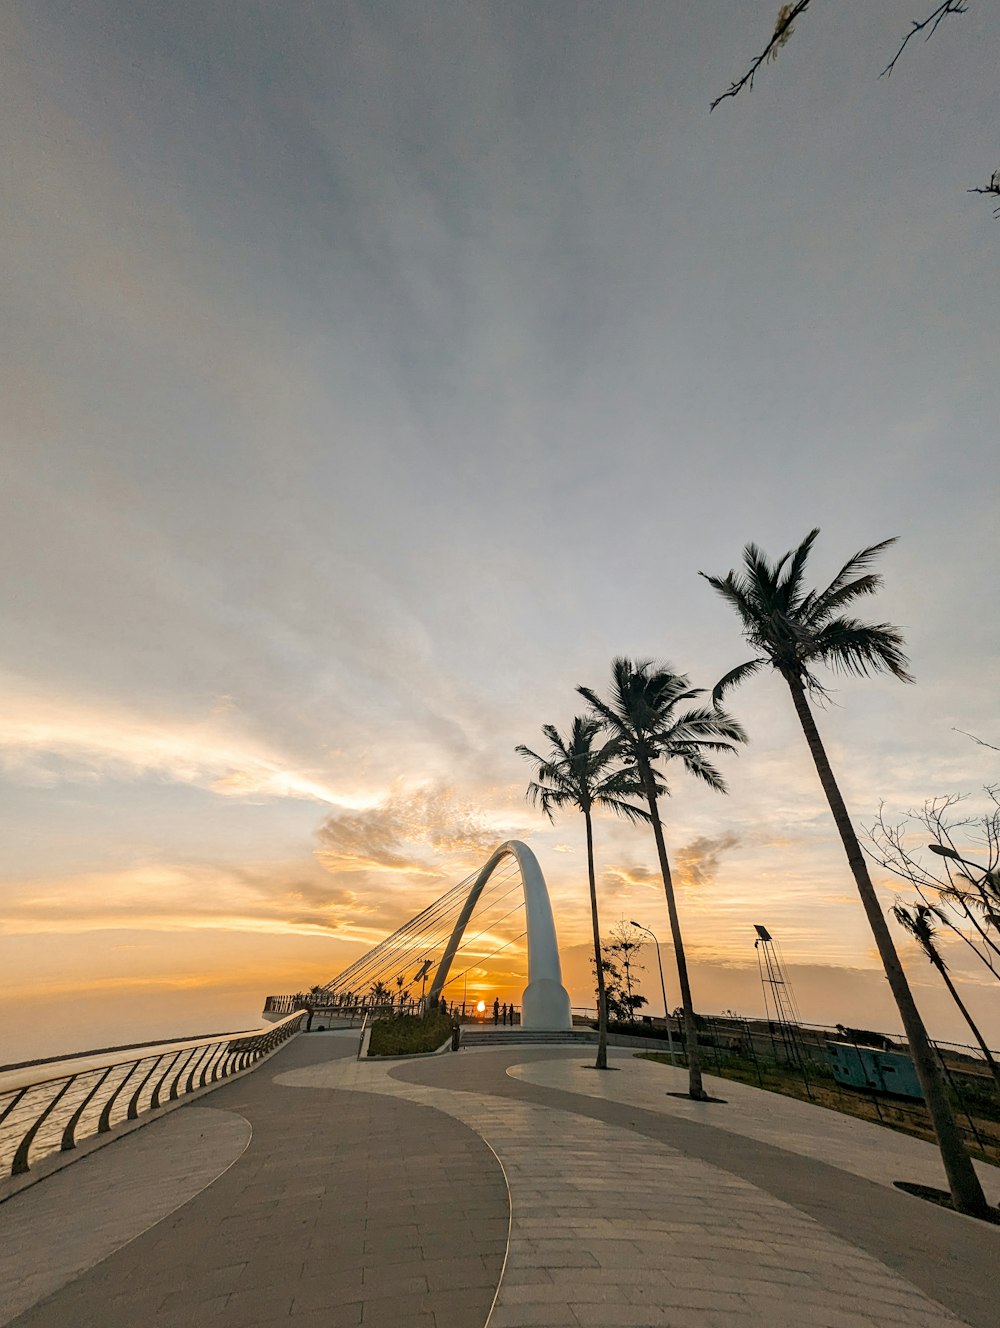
[[345, 1210], [74, 1219], [370, 1195], [613, 1227]]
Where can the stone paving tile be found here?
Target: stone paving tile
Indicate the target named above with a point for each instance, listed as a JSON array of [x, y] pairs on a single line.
[[861, 1147], [77, 1217], [631, 1232], [345, 1212], [369, 1200]]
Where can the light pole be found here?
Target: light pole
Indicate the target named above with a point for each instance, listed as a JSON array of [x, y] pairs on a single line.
[[943, 851], [663, 988]]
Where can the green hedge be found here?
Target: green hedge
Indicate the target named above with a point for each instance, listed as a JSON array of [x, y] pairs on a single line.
[[409, 1034]]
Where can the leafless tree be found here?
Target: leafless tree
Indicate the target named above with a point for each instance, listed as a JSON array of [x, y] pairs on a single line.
[[783, 28], [963, 891]]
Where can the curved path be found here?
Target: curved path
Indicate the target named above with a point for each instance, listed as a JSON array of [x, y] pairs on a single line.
[[344, 1205], [374, 1194], [78, 1217]]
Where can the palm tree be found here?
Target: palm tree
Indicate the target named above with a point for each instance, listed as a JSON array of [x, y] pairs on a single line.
[[793, 630], [921, 923], [643, 715], [576, 773]]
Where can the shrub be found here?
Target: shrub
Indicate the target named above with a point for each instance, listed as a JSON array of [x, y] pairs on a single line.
[[409, 1034]]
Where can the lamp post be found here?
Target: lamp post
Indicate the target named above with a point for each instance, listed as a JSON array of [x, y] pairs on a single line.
[[943, 851], [663, 988]]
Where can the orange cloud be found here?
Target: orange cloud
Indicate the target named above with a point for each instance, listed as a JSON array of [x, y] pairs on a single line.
[[426, 832], [271, 898], [696, 864], [46, 739]]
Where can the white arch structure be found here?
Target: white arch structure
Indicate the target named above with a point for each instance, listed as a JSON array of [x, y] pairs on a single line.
[[545, 1001]]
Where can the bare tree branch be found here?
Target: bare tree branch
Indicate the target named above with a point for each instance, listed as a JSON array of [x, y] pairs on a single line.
[[931, 21], [960, 899], [782, 31], [994, 189]]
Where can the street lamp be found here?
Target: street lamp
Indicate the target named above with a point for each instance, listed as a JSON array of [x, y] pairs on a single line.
[[663, 987], [943, 851]]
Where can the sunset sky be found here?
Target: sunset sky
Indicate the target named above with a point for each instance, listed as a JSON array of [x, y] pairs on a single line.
[[372, 374]]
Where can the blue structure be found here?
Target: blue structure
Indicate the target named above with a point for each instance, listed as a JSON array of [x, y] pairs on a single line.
[[873, 1069]]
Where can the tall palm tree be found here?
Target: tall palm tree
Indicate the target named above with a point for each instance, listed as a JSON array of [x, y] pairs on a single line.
[[793, 629], [644, 714], [576, 773], [921, 923]]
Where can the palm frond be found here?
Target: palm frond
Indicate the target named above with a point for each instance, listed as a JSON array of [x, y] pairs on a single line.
[[627, 810], [738, 592], [603, 711], [921, 924], [851, 646], [793, 630], [734, 677], [817, 609], [792, 588], [576, 773], [860, 561], [696, 764], [644, 720], [703, 724]]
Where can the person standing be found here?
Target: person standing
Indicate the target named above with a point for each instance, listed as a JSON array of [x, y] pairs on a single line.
[[496, 1010]]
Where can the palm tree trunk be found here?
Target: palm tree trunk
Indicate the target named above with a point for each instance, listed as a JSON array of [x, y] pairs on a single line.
[[966, 1191], [602, 1000], [695, 1087], [994, 1069]]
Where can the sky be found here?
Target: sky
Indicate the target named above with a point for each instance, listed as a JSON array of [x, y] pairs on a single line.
[[372, 375]]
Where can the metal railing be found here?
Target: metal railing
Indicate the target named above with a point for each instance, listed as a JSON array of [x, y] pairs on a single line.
[[95, 1093], [808, 1060]]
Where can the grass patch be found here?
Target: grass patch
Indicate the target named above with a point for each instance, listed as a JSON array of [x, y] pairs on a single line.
[[824, 1091], [409, 1034]]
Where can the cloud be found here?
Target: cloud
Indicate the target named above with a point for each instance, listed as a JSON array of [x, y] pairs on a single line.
[[629, 875], [425, 832], [697, 863], [272, 898], [47, 740]]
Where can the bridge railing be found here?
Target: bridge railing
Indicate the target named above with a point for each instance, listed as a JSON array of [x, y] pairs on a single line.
[[90, 1095]]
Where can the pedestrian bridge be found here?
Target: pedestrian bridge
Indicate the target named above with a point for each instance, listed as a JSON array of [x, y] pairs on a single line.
[[429, 948]]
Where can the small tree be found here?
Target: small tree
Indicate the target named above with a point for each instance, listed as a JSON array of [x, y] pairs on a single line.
[[920, 922], [625, 943]]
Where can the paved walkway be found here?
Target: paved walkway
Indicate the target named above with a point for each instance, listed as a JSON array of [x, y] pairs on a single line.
[[378, 1193]]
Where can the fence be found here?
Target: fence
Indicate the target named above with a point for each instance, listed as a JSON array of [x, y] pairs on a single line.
[[95, 1093], [849, 1070]]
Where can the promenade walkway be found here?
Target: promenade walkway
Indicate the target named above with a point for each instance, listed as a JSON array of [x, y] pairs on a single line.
[[320, 1191]]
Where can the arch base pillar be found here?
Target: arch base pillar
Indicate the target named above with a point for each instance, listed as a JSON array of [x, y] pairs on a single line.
[[545, 1006]]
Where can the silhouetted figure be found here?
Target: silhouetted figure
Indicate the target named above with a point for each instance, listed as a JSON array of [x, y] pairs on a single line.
[[503, 1013], [496, 1011]]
